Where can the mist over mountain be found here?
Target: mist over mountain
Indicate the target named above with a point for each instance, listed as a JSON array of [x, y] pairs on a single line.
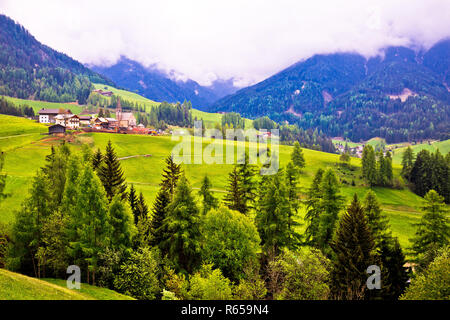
[[30, 69], [401, 95], [157, 85]]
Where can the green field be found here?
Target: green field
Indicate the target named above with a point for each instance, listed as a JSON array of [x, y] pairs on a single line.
[[443, 146], [25, 155], [14, 286], [38, 105]]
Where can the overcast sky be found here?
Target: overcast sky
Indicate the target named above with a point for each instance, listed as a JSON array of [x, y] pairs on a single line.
[[244, 40]]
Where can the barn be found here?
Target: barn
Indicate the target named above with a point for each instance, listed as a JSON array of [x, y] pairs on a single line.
[[57, 129]]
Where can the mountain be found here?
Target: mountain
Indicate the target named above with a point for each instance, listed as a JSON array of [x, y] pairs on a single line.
[[31, 70], [156, 85], [400, 96]]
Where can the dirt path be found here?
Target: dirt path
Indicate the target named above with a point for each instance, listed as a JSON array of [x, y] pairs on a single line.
[[137, 156]]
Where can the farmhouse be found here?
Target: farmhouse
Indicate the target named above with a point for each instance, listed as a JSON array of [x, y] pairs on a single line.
[[100, 123], [57, 129], [85, 120], [70, 121], [48, 115]]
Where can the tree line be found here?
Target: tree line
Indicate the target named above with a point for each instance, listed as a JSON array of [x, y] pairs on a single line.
[[11, 109], [81, 211]]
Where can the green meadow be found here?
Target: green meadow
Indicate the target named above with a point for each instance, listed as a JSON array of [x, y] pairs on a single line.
[[25, 155], [14, 286], [38, 105], [432, 146]]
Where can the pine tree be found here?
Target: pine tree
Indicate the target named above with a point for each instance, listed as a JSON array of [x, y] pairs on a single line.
[[433, 230], [121, 221], [159, 213], [97, 159], [389, 175], [369, 169], [209, 201], [353, 248], [272, 216], [394, 275], [182, 224], [297, 156], [133, 202], [234, 199], [407, 163], [171, 175], [246, 173], [2, 177], [111, 174], [330, 205], [377, 220], [91, 224], [312, 216], [291, 177]]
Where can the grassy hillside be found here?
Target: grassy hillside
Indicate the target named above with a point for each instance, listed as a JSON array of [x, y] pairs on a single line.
[[14, 286], [28, 155], [432, 146], [38, 105]]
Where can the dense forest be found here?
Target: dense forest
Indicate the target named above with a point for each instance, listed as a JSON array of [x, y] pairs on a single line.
[[346, 95], [190, 245], [31, 70], [11, 109]]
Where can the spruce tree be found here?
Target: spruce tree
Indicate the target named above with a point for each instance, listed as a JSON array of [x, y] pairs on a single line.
[[297, 156], [246, 173], [234, 199], [353, 248], [394, 275], [389, 175], [433, 230], [97, 159], [369, 168], [159, 213], [121, 221], [209, 201], [377, 220], [272, 216], [313, 210], [133, 202], [91, 227], [407, 163], [330, 205], [111, 175], [291, 178], [182, 227], [171, 175]]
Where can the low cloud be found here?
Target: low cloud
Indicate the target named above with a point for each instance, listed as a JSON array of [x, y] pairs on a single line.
[[246, 40]]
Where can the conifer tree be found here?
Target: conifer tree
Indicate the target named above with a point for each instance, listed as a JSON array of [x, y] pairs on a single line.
[[353, 248], [272, 216], [182, 224], [407, 163], [297, 156], [209, 201], [159, 213], [394, 275], [2, 177], [369, 169], [91, 224], [133, 202], [291, 177], [121, 221], [246, 173], [97, 159], [313, 211], [111, 175], [377, 220], [389, 175], [433, 230], [171, 175], [234, 199], [330, 205]]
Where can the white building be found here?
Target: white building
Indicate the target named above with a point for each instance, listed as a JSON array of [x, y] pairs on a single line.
[[48, 115]]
